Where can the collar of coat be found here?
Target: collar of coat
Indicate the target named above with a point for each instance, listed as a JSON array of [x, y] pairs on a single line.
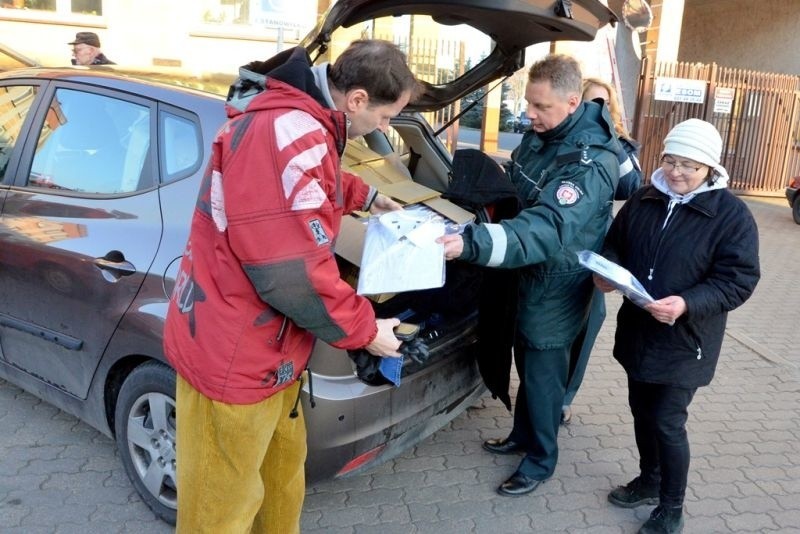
[[589, 126], [707, 204]]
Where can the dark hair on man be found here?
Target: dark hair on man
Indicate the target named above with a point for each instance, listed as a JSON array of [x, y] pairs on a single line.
[[562, 71], [376, 66]]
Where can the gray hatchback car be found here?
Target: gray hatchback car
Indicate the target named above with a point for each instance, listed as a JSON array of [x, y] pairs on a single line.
[[99, 171]]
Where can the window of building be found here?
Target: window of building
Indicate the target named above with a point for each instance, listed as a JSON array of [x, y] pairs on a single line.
[[83, 7], [298, 15]]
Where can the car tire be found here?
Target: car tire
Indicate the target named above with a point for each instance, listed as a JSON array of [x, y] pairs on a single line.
[[144, 424], [796, 209]]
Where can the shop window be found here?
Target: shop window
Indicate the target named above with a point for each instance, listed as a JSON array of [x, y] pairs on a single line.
[[288, 15], [82, 7]]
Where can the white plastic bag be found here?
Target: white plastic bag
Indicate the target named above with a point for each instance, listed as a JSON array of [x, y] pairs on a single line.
[[401, 252]]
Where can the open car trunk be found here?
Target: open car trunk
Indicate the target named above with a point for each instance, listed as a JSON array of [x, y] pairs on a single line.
[[446, 315]]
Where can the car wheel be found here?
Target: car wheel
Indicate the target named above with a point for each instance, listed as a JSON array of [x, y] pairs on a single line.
[[145, 432], [796, 209]]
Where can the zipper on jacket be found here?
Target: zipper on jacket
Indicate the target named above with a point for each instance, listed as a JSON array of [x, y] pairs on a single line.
[[285, 326], [693, 333], [667, 222], [282, 329]]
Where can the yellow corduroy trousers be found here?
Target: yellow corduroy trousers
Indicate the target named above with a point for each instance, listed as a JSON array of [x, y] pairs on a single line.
[[239, 466]]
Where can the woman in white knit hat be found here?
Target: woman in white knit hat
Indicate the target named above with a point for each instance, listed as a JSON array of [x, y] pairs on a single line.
[[694, 247]]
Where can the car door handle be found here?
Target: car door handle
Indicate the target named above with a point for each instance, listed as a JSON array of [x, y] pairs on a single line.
[[116, 263]]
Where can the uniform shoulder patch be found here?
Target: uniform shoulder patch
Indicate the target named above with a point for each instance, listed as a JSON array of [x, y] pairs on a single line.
[[568, 157], [568, 194]]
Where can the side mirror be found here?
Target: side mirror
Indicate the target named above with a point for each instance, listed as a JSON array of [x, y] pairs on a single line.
[[637, 15]]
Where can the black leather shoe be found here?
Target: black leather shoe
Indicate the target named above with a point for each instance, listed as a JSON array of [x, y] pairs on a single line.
[[664, 520], [518, 484], [502, 446], [634, 493]]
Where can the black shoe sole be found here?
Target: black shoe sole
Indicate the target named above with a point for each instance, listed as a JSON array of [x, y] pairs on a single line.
[[649, 501]]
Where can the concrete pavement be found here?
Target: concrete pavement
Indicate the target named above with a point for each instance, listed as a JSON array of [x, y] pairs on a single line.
[[57, 475]]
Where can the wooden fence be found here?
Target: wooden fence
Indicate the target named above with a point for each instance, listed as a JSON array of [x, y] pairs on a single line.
[[757, 114]]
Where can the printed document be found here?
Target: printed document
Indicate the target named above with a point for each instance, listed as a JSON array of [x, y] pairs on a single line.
[[618, 276]]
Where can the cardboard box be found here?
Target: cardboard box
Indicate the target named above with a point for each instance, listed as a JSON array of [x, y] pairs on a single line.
[[390, 180]]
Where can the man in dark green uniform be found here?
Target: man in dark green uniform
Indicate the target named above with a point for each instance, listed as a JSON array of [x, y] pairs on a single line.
[[565, 170]]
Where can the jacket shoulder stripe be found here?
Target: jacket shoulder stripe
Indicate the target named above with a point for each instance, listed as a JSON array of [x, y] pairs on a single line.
[[298, 167], [293, 125]]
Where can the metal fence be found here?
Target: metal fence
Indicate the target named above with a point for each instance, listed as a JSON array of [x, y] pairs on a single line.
[[757, 114]]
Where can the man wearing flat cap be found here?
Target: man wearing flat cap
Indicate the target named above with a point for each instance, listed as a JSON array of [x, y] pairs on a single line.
[[86, 50]]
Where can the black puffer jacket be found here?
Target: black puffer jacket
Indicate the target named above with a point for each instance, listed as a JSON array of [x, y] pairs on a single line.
[[707, 254]]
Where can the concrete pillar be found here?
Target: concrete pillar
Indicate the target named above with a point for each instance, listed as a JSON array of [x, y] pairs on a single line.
[[664, 36], [490, 130]]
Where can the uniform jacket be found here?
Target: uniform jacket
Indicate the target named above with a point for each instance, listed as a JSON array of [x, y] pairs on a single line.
[[258, 281], [707, 254], [566, 179]]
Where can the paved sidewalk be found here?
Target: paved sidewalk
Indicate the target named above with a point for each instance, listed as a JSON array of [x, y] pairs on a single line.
[[744, 431], [57, 475]]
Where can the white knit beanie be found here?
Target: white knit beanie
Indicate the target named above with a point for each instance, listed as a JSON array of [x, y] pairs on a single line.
[[696, 140]]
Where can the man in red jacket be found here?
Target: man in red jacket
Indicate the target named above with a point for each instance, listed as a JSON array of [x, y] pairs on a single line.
[[259, 281]]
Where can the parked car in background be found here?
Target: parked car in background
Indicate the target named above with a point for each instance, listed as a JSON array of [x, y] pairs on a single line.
[[522, 125], [793, 196], [99, 171]]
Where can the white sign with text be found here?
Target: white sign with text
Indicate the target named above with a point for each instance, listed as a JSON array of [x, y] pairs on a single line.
[[680, 90]]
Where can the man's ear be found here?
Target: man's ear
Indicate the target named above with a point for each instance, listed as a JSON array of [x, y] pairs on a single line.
[[356, 100], [574, 101]]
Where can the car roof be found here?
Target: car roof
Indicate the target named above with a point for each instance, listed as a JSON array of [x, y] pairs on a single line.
[[158, 85], [535, 21]]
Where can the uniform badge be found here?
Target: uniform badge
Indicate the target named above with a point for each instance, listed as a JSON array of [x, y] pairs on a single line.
[[568, 194], [318, 232]]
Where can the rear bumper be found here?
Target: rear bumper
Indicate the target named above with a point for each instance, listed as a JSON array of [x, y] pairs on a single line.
[[351, 418]]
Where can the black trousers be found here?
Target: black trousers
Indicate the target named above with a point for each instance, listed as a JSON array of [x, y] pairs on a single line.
[[537, 414], [659, 421]]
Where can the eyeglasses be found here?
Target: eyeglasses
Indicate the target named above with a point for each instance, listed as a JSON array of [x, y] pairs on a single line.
[[682, 168]]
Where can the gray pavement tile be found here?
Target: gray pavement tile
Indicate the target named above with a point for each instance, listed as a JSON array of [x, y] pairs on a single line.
[[58, 475]]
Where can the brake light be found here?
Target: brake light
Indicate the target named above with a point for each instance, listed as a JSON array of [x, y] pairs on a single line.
[[360, 460]]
